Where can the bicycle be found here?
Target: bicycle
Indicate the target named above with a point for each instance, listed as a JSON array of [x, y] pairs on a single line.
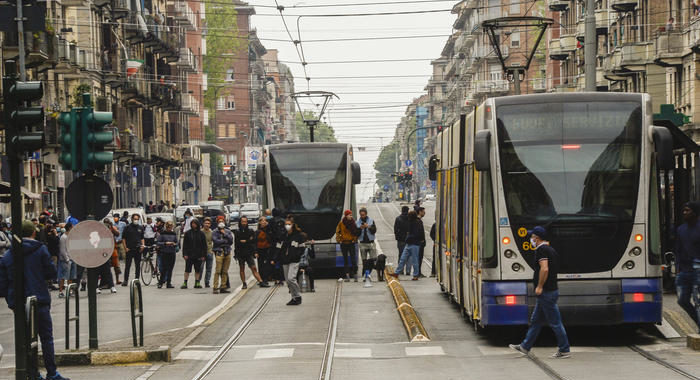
[[149, 269]]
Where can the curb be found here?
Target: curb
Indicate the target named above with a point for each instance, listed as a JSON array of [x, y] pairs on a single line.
[[161, 354], [414, 326], [693, 342]]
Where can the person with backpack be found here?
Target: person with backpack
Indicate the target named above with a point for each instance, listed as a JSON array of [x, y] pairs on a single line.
[[368, 251], [263, 244], [278, 232], [223, 239], [415, 238], [306, 269], [290, 256], [346, 233]]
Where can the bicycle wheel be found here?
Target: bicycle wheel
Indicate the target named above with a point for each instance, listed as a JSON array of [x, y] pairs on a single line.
[[146, 276], [155, 271]]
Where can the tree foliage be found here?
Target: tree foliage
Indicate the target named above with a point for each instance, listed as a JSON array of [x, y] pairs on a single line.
[[223, 45], [385, 165], [322, 131]]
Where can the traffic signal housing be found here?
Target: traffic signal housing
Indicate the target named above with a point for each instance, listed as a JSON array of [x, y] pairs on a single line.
[[95, 138], [70, 140], [21, 117]]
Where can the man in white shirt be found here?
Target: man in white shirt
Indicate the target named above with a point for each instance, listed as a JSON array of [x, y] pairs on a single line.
[[149, 232]]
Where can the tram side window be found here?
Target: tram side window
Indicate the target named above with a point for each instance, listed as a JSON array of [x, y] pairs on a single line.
[[488, 253], [654, 219]]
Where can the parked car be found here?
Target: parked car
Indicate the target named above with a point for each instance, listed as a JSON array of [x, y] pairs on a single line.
[[251, 211], [233, 213], [429, 197], [131, 211], [165, 216], [197, 211]]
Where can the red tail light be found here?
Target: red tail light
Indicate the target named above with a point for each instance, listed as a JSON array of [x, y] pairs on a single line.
[[510, 300], [638, 297]]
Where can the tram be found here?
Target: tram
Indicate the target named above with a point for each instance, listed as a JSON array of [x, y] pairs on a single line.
[[315, 182], [583, 165]]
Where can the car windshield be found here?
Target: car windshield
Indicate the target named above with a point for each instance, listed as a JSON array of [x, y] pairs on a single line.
[[249, 207]]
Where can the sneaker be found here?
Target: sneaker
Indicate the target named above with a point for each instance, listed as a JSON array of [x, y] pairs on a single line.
[[98, 291], [160, 286], [61, 295], [224, 291], [197, 285], [263, 284], [56, 376], [561, 355], [113, 290], [517, 347], [421, 275], [184, 286], [294, 301], [82, 287], [415, 278], [244, 286], [215, 291], [123, 284], [206, 285], [169, 286], [355, 277]]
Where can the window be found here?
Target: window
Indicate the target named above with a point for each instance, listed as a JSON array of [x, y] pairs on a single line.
[[221, 103], [515, 7], [494, 8], [495, 72], [229, 75], [230, 103], [232, 130], [515, 39], [221, 130]]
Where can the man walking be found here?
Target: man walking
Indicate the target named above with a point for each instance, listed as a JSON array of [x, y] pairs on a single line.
[[368, 251], [687, 251], [421, 248], [401, 229], [133, 237], [38, 269], [547, 291]]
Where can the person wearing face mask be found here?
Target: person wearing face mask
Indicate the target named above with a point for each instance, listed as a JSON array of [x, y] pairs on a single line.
[[346, 233], [121, 247], [167, 244], [133, 238], [210, 251], [290, 255], [263, 242], [223, 239], [546, 310], [194, 251], [245, 248]]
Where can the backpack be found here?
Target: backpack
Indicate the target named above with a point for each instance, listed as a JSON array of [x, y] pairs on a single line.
[[277, 229]]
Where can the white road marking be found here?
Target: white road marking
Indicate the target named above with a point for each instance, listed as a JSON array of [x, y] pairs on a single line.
[[195, 355], [151, 371], [353, 353], [220, 306], [424, 351], [491, 350], [273, 353], [201, 347]]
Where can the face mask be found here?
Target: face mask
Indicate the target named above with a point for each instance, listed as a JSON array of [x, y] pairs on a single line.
[[269, 217], [134, 222], [288, 227], [533, 243], [221, 226]]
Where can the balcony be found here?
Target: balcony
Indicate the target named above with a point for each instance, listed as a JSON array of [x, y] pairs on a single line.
[[580, 30], [623, 5], [600, 80], [635, 56], [189, 104], [184, 14], [669, 49], [567, 42], [135, 29], [492, 86], [187, 60], [120, 8], [556, 52], [135, 92], [602, 20], [164, 96], [558, 5], [465, 41], [75, 3]]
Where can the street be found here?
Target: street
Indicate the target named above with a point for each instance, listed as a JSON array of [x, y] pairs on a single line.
[[260, 336]]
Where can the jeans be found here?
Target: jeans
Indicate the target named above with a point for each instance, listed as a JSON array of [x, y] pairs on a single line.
[[349, 258], [546, 311], [167, 263], [409, 256], [45, 330], [135, 255], [291, 270], [209, 262], [696, 289], [684, 291]]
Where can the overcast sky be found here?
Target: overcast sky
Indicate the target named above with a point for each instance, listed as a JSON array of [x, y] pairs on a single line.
[[352, 120]]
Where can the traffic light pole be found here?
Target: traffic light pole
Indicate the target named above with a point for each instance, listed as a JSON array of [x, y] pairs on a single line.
[[20, 35], [91, 272]]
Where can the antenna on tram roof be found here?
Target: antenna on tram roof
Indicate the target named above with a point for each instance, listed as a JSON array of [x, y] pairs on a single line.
[[325, 95]]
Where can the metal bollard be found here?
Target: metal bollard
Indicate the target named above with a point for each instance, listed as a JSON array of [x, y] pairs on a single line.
[[72, 318], [135, 285], [33, 347]]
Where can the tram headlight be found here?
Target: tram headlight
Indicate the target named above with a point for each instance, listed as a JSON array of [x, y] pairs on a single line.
[[629, 265], [636, 251], [517, 267], [509, 254]]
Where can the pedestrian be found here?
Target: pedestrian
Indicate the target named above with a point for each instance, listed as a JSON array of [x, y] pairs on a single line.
[[547, 291], [305, 268], [113, 262], [414, 239], [125, 217], [687, 251], [433, 238], [38, 269], [346, 233], [149, 232], [290, 255], [223, 240], [368, 251], [104, 271], [167, 244], [52, 242], [267, 214], [119, 241], [133, 238], [421, 249], [279, 233], [416, 205], [263, 244], [401, 226], [5, 242], [66, 266], [245, 249], [210, 251], [187, 224], [194, 251]]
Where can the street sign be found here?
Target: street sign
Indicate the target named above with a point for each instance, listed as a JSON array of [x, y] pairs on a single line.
[[409, 162], [86, 189], [386, 187], [90, 244]]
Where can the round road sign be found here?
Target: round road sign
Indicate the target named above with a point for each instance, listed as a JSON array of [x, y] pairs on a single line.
[[89, 189], [409, 162], [90, 244]]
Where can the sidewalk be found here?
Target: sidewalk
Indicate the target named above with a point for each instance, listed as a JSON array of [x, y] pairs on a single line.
[[170, 315]]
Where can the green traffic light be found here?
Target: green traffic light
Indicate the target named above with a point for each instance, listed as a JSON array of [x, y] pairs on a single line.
[[70, 139], [94, 138]]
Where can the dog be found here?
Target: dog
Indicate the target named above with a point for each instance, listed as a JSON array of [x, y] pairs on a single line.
[[379, 265]]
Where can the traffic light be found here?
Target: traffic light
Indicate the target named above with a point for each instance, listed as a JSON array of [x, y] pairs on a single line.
[[21, 117], [70, 140], [95, 137], [409, 176]]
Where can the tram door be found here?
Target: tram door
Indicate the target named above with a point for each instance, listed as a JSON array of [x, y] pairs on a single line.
[[467, 236]]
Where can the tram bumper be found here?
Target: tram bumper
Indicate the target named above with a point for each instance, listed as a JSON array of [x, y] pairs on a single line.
[[581, 302], [329, 256]]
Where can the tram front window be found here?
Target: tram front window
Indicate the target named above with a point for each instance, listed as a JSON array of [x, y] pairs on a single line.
[[572, 166]]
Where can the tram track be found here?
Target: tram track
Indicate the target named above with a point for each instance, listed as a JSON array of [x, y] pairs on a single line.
[[650, 356], [325, 370]]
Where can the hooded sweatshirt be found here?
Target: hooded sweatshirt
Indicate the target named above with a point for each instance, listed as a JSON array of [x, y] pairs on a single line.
[[244, 233], [195, 243], [38, 268]]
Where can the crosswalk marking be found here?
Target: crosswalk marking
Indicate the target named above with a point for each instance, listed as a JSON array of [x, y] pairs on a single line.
[[353, 353], [424, 351], [272, 353], [194, 355]]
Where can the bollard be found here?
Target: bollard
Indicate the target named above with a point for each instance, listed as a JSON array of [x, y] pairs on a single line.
[[72, 318], [135, 286], [33, 352]]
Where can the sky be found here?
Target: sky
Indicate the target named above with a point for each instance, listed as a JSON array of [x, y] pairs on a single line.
[[352, 120]]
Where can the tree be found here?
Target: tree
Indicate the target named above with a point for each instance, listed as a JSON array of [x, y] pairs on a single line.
[[385, 165], [322, 131]]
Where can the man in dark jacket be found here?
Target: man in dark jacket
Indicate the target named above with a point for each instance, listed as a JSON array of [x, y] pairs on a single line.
[[133, 238], [245, 248], [687, 251], [278, 233], [38, 268], [194, 250], [223, 240], [401, 229], [167, 245]]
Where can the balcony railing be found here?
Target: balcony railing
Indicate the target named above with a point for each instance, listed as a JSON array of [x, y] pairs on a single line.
[[623, 5], [184, 14], [492, 86], [189, 104], [187, 60], [558, 5], [634, 55], [669, 48]]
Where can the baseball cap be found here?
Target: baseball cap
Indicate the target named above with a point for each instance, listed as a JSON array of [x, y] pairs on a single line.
[[28, 228], [540, 231]]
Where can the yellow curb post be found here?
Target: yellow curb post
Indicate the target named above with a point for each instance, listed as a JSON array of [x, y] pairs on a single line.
[[414, 326]]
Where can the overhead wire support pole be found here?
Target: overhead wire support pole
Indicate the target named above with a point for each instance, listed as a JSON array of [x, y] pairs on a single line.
[[590, 46], [20, 41]]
